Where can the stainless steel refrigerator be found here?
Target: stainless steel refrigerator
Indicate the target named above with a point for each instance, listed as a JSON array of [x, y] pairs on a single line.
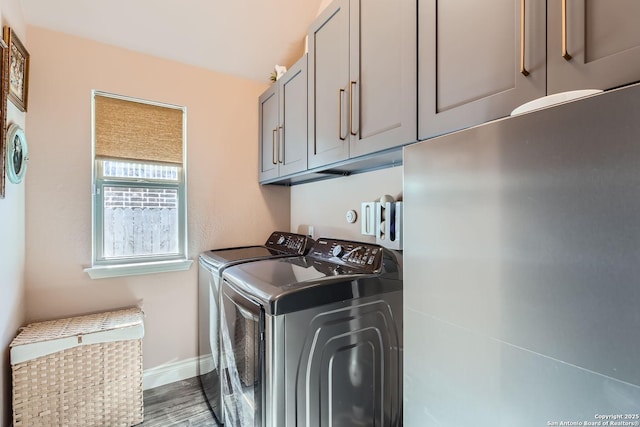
[[522, 269]]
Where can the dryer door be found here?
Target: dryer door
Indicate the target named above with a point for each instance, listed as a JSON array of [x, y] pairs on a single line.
[[242, 336]]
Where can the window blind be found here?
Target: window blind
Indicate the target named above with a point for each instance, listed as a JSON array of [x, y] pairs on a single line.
[[137, 131]]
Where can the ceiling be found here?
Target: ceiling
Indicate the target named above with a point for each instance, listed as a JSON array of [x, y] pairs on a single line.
[[246, 38]]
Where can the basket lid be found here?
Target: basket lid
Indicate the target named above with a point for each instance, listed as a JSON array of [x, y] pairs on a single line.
[[44, 338]]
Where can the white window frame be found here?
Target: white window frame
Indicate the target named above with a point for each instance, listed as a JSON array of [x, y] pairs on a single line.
[[103, 267]]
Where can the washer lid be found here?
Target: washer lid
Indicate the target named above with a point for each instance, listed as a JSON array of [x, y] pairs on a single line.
[[291, 284], [279, 244], [218, 258]]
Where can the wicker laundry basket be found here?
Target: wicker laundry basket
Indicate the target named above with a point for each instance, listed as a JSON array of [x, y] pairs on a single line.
[[80, 371]]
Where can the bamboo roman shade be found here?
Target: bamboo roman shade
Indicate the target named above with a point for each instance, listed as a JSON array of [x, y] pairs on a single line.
[[137, 131]]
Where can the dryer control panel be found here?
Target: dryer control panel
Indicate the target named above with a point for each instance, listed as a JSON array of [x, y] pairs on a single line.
[[289, 243], [365, 256]]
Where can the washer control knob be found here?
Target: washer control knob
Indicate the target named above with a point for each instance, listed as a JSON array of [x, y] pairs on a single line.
[[281, 240], [337, 251]]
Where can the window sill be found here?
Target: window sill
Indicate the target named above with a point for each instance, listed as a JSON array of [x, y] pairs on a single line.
[[106, 271]]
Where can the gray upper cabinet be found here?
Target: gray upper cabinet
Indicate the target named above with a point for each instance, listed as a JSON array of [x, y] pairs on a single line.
[[477, 61], [328, 83], [593, 44], [293, 119], [283, 124], [267, 133], [362, 79], [383, 75]]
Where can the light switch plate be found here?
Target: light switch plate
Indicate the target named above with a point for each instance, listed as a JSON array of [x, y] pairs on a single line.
[[368, 218]]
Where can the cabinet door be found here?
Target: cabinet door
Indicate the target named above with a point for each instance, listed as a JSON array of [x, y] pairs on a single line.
[[268, 122], [382, 89], [328, 85], [470, 58], [596, 46], [292, 154]]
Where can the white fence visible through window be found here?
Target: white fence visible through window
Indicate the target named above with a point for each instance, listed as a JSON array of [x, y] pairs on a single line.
[[140, 221]]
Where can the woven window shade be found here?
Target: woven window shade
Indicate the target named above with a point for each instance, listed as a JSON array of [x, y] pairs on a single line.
[[137, 131]]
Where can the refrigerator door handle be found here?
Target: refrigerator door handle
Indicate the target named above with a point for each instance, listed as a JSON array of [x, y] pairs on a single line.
[[523, 69], [565, 50]]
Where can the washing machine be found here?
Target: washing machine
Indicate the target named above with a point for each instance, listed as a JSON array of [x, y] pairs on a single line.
[[212, 264], [314, 340]]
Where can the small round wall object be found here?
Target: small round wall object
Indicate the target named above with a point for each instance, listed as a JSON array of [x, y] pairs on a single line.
[[387, 198], [17, 154], [352, 216]]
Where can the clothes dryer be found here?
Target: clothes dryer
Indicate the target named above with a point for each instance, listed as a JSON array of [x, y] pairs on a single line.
[[212, 264], [314, 340]]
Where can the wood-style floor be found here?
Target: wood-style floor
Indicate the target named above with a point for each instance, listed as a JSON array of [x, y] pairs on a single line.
[[177, 404]]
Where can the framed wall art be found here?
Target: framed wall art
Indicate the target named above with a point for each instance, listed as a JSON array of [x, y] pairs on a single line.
[[4, 87], [17, 154], [18, 70]]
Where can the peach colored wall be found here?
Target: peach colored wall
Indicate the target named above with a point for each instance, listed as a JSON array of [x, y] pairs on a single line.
[[324, 204], [323, 6], [226, 205], [12, 240]]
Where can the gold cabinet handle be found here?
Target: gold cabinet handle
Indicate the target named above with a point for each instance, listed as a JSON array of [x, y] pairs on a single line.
[[523, 69], [340, 92], [280, 142], [273, 146], [351, 85], [565, 50]]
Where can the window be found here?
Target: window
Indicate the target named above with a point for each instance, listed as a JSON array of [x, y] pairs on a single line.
[[139, 187]]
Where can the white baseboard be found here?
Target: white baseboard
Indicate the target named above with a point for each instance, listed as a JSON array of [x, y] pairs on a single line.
[[170, 373]]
